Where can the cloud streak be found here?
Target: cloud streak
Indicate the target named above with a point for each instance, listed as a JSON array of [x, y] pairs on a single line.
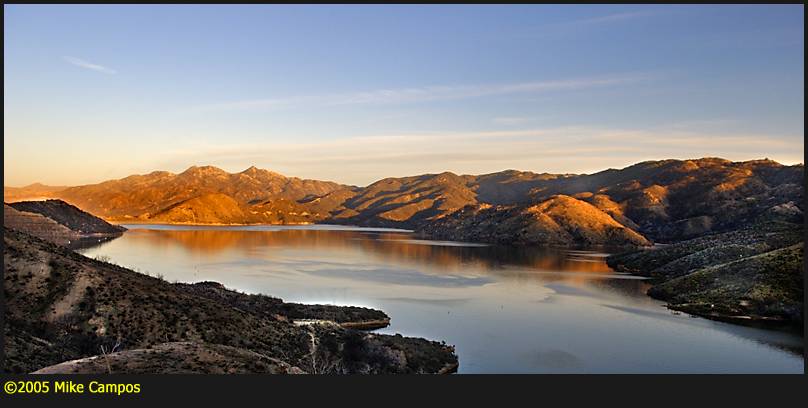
[[424, 94], [611, 18], [554, 29], [88, 65]]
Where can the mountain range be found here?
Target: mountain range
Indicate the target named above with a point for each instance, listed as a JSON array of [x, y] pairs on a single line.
[[652, 201]]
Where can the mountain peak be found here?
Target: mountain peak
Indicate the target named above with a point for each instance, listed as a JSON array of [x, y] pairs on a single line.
[[203, 171], [253, 171]]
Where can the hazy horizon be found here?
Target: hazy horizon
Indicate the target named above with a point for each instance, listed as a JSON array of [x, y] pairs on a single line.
[[239, 170], [353, 94]]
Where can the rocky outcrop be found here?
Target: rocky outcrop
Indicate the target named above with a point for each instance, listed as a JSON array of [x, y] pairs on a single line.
[[346, 316]]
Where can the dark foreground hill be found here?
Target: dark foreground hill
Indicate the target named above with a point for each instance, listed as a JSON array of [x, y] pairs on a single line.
[[38, 225], [754, 274], [62, 306], [58, 222], [71, 217], [176, 358]]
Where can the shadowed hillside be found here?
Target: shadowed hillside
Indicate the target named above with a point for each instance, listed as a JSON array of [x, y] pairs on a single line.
[[69, 216], [38, 226], [754, 274], [58, 222]]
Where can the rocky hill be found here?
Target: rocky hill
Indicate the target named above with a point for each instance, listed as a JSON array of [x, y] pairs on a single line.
[[62, 306], [671, 200], [38, 225], [71, 217], [251, 196], [754, 274], [558, 220], [407, 201], [58, 222]]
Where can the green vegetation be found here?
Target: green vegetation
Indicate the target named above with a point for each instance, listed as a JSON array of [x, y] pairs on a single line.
[[750, 275]]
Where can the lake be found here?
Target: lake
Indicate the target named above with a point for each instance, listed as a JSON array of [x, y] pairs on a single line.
[[506, 310]]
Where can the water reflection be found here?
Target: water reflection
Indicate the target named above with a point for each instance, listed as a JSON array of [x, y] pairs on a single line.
[[384, 247], [505, 309]]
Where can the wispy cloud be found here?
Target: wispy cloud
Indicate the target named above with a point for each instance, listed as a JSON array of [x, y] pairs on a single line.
[[554, 29], [611, 18], [88, 65], [425, 94]]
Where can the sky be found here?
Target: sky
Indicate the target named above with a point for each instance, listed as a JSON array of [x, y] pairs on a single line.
[[357, 93]]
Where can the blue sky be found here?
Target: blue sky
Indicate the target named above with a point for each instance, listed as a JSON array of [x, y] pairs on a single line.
[[357, 93]]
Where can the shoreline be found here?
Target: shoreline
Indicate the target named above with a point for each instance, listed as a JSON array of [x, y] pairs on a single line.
[[760, 322], [751, 276], [382, 323], [610, 249], [694, 309], [326, 226]]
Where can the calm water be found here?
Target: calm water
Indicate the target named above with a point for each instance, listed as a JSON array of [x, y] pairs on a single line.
[[505, 310]]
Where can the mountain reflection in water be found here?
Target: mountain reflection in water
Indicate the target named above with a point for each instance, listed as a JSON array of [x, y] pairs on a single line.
[[507, 310]]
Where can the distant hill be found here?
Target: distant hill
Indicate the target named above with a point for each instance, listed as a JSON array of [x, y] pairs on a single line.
[[34, 191], [671, 200], [662, 201], [560, 220], [407, 201], [251, 196]]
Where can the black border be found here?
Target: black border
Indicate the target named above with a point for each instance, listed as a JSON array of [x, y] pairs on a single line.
[[489, 389]]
